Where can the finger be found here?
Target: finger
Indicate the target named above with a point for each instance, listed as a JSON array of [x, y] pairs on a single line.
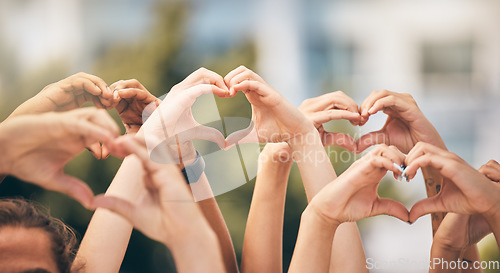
[[198, 90], [210, 134], [74, 188], [105, 152], [339, 139], [126, 84], [97, 102], [88, 133], [117, 205], [333, 100], [426, 206], [87, 85], [391, 207], [96, 150], [491, 170], [371, 99], [257, 87], [246, 75], [132, 93], [370, 139], [382, 103], [232, 74], [102, 119], [203, 76], [247, 135], [384, 163], [99, 118], [389, 152], [106, 92], [329, 115]]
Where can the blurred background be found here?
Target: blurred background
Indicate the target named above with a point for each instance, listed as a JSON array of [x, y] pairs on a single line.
[[445, 53]]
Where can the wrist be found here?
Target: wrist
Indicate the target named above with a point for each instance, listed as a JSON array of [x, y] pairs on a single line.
[[317, 218], [197, 251], [492, 215], [276, 153], [449, 246]]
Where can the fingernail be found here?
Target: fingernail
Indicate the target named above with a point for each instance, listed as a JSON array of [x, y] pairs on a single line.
[[370, 111]]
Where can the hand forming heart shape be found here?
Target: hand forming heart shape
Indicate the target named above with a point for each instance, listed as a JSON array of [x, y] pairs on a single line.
[[275, 120]]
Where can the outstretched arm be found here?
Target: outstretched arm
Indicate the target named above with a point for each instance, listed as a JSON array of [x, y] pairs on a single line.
[[263, 243], [276, 120], [167, 213], [351, 197]]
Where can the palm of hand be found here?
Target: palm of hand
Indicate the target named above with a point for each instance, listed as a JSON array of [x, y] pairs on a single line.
[[43, 161], [397, 133], [274, 122], [357, 194]]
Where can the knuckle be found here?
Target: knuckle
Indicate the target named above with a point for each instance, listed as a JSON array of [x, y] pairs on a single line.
[[492, 163]]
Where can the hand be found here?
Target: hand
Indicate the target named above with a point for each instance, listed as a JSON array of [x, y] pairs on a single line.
[[173, 122], [353, 195], [457, 232], [68, 94], [166, 210], [274, 119], [464, 189], [328, 107], [405, 126], [37, 147], [131, 98]]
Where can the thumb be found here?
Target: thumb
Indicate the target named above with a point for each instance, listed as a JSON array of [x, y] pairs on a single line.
[[426, 206], [210, 134], [117, 205], [370, 139], [105, 152], [392, 208], [96, 150], [248, 135], [75, 188]]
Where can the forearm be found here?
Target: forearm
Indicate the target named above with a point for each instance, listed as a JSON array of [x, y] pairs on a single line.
[[471, 255], [433, 181], [493, 219], [313, 246], [314, 164], [212, 213], [317, 171], [348, 254], [198, 252], [441, 256], [105, 241], [263, 243]]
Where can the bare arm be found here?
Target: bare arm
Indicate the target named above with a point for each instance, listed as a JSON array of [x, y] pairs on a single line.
[[105, 242], [263, 243]]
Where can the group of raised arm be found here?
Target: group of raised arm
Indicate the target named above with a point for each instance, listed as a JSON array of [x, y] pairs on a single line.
[[149, 192]]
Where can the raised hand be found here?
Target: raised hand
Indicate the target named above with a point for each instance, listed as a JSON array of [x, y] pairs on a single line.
[[328, 107], [405, 126], [172, 123], [166, 212], [68, 94], [459, 231], [131, 98], [35, 148], [353, 195], [274, 119], [464, 190]]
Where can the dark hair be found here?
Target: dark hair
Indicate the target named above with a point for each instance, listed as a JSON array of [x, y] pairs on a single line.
[[26, 214]]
